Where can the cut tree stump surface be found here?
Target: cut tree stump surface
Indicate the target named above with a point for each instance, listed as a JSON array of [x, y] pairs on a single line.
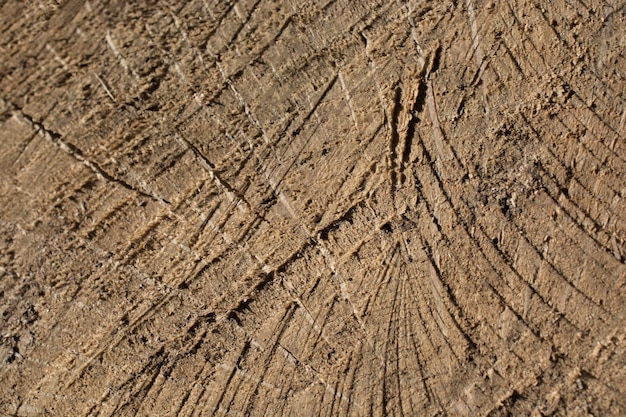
[[285, 208]]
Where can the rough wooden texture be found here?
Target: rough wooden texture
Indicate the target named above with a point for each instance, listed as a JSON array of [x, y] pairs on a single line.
[[340, 208]]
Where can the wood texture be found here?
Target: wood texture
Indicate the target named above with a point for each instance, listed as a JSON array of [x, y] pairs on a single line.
[[285, 208]]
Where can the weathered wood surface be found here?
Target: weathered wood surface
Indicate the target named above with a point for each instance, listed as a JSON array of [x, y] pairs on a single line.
[[312, 208]]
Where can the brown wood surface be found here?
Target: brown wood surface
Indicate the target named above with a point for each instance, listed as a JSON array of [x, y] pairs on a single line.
[[312, 208]]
